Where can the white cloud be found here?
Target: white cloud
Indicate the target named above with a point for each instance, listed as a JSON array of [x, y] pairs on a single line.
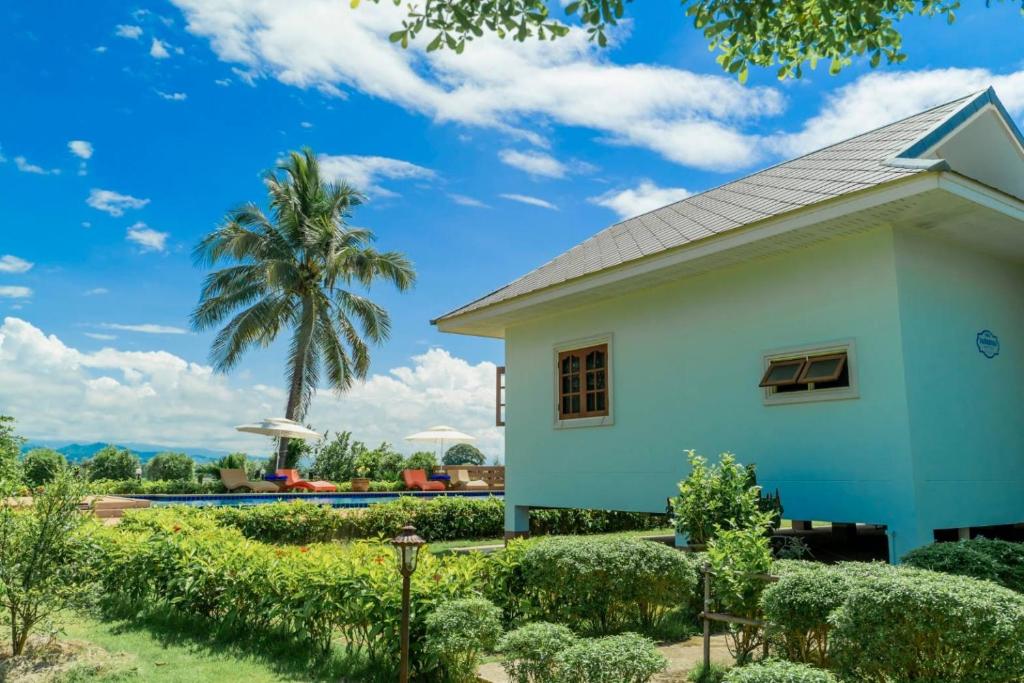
[[86, 224], [147, 238], [532, 201], [81, 148], [640, 199], [12, 264], [363, 172], [879, 98], [112, 202], [144, 328], [534, 163], [128, 31], [25, 167], [172, 96], [306, 124], [100, 336], [13, 292], [96, 291], [463, 200], [158, 49], [100, 49], [223, 82], [687, 117], [159, 397]]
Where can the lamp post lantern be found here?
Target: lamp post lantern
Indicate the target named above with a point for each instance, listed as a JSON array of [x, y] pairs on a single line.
[[407, 546]]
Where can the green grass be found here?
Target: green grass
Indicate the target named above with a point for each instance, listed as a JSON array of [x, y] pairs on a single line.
[[447, 546]]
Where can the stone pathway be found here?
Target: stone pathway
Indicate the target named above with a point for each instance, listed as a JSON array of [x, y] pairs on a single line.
[[682, 658]]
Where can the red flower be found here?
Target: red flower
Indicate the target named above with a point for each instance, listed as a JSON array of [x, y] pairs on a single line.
[[279, 553], [379, 559], [303, 549], [177, 528], [437, 578]]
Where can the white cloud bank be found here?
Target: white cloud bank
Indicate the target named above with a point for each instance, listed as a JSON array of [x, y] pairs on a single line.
[[690, 118], [640, 199], [81, 148], [112, 202], [128, 31], [14, 292], [158, 397], [10, 263], [25, 166], [364, 172]]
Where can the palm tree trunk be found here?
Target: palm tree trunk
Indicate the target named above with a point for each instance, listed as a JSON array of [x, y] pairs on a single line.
[[291, 411]]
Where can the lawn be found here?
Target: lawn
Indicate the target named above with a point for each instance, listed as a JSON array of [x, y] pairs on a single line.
[[152, 652]]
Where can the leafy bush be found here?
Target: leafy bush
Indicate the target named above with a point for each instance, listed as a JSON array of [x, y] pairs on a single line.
[[604, 585], [111, 462], [335, 460], [443, 518], [798, 607], [134, 486], [713, 674], [293, 522], [721, 496], [375, 486], [383, 463], [778, 672], [463, 454], [10, 447], [420, 460], [981, 558], [41, 465], [232, 461], [170, 467], [528, 654], [36, 557], [912, 624], [459, 631], [578, 522], [736, 557], [313, 595], [625, 658]]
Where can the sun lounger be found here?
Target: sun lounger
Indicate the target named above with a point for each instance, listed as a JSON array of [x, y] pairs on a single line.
[[461, 480], [294, 481], [417, 479], [235, 480]]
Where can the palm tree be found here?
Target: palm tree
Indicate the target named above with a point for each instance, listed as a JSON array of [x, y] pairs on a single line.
[[290, 269]]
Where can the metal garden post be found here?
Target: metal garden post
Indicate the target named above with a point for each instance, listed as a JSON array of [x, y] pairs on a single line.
[[407, 546]]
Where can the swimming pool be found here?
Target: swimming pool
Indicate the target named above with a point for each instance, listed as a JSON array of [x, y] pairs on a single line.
[[338, 500]]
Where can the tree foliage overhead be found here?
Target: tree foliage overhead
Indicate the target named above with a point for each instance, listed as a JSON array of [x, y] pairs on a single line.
[[786, 34]]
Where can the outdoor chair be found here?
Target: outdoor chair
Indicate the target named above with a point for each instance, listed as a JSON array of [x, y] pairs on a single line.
[[461, 480], [417, 479], [235, 480], [294, 481]]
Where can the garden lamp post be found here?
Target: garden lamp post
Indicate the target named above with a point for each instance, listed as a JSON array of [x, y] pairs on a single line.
[[138, 473], [407, 546]]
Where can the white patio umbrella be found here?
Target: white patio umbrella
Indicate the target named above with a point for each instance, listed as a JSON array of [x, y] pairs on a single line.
[[441, 434], [280, 427]]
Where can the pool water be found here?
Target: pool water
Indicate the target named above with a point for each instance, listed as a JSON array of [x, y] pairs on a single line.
[[338, 500]]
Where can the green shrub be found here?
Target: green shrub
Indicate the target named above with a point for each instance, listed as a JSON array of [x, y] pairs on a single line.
[[421, 460], [10, 448], [912, 624], [528, 653], [111, 462], [713, 674], [444, 518], [41, 465], [463, 454], [314, 595], [737, 557], [383, 462], [335, 460], [981, 558], [113, 487], [625, 658], [778, 672], [458, 632], [572, 522], [798, 607], [375, 486], [721, 496], [170, 467], [604, 585]]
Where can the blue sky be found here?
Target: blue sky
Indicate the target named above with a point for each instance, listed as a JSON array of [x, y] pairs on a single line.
[[479, 167]]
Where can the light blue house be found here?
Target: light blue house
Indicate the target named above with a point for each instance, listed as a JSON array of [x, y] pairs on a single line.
[[852, 321]]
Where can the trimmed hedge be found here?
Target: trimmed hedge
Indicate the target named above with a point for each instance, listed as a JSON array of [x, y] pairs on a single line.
[[625, 658], [309, 594], [981, 558], [528, 653], [444, 518], [113, 487], [600, 585], [778, 672], [877, 623]]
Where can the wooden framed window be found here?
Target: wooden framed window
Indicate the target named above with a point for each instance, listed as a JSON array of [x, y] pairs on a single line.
[[499, 397], [809, 374], [583, 382]]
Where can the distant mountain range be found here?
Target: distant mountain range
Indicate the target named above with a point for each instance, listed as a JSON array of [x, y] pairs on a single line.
[[77, 452]]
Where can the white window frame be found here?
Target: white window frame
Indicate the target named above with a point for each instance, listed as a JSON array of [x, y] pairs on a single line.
[[847, 346], [583, 422]]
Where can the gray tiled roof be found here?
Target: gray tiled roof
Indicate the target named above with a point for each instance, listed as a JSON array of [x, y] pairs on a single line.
[[833, 171]]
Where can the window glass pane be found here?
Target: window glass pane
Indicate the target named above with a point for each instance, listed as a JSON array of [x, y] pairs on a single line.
[[825, 368], [784, 372], [565, 385], [574, 364], [600, 401], [591, 381], [565, 365], [565, 406], [575, 384], [598, 359], [575, 404], [590, 402], [600, 380]]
